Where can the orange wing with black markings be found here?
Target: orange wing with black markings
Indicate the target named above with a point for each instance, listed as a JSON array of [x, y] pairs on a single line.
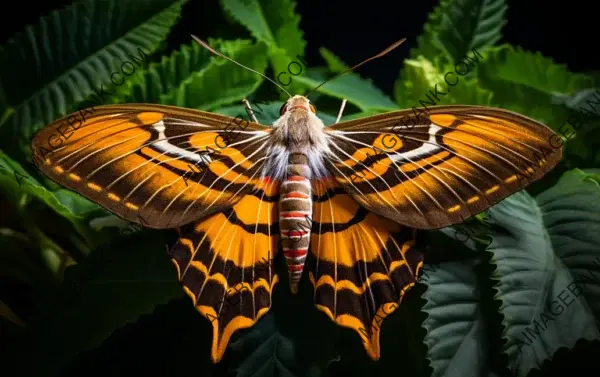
[[225, 264], [360, 264], [160, 166], [433, 169]]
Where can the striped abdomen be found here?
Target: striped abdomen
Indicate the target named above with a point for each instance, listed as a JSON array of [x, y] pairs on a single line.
[[295, 216]]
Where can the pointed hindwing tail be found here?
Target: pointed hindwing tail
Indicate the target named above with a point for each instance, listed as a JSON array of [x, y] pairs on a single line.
[[360, 264], [225, 265]]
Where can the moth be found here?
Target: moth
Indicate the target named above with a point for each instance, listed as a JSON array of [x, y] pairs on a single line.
[[340, 203]]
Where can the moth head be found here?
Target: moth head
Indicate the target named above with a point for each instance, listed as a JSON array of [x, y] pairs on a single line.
[[296, 103]]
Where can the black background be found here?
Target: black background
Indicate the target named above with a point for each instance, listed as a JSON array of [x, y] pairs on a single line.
[[563, 31]]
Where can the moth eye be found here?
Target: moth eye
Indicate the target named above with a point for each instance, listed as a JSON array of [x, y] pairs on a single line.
[[312, 108], [283, 109]]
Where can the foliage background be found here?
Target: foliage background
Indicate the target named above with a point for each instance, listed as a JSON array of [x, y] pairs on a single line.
[[82, 292]]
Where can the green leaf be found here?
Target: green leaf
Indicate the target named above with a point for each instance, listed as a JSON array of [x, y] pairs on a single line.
[[335, 64], [427, 44], [182, 79], [571, 203], [19, 187], [358, 91], [582, 127], [274, 23], [114, 286], [519, 78], [547, 269], [378, 101], [270, 352], [15, 182], [67, 56], [420, 78], [456, 27], [77, 204], [456, 330], [586, 101], [280, 345], [470, 24]]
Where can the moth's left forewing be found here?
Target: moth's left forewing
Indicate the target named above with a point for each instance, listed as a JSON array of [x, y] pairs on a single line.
[[160, 166], [431, 170]]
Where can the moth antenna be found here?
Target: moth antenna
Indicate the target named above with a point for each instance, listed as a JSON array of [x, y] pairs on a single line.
[[382, 53], [206, 46]]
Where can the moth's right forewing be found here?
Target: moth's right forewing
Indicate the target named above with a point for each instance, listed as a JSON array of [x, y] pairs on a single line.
[[435, 169], [159, 166]]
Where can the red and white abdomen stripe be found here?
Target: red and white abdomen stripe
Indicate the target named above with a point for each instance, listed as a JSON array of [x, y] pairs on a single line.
[[295, 216]]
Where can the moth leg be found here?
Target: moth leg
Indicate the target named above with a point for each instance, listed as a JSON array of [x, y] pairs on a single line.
[[341, 111], [249, 110]]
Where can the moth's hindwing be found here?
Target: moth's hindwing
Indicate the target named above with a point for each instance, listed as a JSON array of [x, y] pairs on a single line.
[[360, 264], [160, 166], [430, 170], [225, 264]]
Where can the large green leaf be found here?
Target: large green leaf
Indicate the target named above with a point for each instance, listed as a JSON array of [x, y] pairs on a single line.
[[455, 35], [427, 45], [571, 203], [114, 286], [72, 53], [274, 23], [358, 91], [519, 79], [423, 85], [470, 24], [456, 330], [547, 253], [456, 327], [586, 101], [29, 200], [293, 339], [456, 27], [334, 63], [16, 182], [193, 78], [269, 351]]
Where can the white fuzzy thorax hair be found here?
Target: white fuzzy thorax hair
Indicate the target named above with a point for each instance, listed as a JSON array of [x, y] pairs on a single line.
[[297, 130]]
